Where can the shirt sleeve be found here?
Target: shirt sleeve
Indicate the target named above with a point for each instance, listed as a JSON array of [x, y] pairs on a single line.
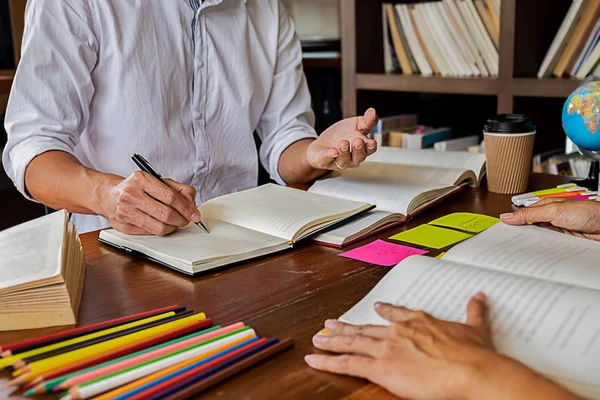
[[49, 102], [288, 116]]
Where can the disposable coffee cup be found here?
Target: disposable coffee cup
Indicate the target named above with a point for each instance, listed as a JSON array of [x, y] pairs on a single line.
[[508, 150]]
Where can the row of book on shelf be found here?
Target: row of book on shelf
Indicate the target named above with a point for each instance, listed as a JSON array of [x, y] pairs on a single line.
[[447, 38], [575, 50]]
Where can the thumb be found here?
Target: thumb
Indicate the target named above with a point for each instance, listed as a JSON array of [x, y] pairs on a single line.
[[542, 213], [366, 123], [477, 312]]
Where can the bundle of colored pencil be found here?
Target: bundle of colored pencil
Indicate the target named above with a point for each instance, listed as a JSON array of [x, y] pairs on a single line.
[[169, 352]]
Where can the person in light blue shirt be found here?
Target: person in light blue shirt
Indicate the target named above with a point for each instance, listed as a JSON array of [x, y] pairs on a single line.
[[185, 83]]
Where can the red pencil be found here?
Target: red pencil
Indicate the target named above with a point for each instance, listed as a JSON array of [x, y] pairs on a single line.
[[8, 350], [181, 378], [195, 327]]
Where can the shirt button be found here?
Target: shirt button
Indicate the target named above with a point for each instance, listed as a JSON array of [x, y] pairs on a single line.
[[202, 164], [199, 115], [200, 63]]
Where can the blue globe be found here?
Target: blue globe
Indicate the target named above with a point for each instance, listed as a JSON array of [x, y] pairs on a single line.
[[581, 116]]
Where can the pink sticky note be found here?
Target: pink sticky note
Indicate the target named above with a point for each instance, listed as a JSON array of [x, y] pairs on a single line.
[[382, 253]]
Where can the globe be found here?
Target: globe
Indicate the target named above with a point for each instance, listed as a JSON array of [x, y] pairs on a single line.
[[581, 116]]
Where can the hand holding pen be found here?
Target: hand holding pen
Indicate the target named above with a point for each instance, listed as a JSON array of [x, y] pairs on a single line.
[[172, 201]]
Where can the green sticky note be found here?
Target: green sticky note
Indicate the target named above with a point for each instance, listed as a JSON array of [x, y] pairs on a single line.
[[431, 236], [467, 222]]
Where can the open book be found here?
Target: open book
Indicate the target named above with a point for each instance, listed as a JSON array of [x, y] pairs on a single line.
[[242, 226], [41, 273], [544, 293], [400, 182]]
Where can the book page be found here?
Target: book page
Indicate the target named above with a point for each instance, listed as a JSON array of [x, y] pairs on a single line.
[[277, 210], [191, 245], [390, 187], [372, 219], [553, 328], [533, 251], [32, 251], [430, 158]]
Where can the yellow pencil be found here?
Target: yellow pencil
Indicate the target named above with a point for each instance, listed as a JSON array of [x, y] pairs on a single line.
[[5, 362], [173, 368], [74, 356]]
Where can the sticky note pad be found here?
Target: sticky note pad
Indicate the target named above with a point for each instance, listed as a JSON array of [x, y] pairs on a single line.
[[382, 253], [468, 222], [431, 236]]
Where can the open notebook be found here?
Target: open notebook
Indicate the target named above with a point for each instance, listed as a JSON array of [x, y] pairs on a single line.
[[242, 226], [543, 289], [400, 182], [41, 273]]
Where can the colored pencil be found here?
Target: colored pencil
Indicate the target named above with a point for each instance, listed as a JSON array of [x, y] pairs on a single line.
[[5, 362], [10, 349], [139, 359], [231, 368], [24, 362], [46, 382], [152, 377], [181, 375], [96, 387], [78, 355]]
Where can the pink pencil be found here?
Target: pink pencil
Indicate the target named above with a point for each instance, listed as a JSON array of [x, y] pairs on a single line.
[[130, 362], [583, 197]]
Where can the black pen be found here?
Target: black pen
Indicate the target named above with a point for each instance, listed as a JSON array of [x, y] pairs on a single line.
[[145, 166]]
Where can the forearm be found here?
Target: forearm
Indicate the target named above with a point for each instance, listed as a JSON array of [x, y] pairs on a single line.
[[293, 164], [58, 180], [500, 378]]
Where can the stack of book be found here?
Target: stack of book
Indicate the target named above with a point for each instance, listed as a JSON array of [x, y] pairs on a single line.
[[575, 50], [451, 38], [164, 353], [41, 273]]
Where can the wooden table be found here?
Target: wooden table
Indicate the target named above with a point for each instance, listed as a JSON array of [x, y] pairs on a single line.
[[286, 295]]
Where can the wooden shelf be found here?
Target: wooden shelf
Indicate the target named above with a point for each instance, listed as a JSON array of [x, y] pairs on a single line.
[[6, 79], [533, 87], [427, 84]]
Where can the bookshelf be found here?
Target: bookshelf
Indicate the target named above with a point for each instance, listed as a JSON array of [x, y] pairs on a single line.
[[527, 28]]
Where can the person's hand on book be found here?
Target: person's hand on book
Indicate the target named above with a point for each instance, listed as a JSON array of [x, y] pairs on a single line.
[[142, 205], [421, 357], [344, 144], [574, 217]]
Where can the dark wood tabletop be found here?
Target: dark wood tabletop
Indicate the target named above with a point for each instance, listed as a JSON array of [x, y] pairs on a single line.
[[289, 294]]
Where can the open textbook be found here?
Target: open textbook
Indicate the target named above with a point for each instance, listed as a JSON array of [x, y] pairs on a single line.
[[41, 273], [400, 182], [543, 289], [242, 226]]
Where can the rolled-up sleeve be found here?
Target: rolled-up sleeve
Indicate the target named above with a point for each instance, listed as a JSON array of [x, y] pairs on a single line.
[[49, 102], [288, 116]]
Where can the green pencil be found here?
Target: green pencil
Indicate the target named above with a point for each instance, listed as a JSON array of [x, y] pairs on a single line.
[[45, 387]]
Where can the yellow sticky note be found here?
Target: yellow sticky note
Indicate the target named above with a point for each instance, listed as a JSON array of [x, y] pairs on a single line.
[[431, 236], [467, 222], [440, 256]]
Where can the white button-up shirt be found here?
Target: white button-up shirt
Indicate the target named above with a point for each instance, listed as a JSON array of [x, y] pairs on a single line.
[[104, 79]]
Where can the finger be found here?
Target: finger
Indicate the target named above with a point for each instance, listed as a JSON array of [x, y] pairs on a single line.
[[187, 191], [371, 146], [355, 344], [477, 313], [395, 313], [359, 366], [550, 200], [543, 213], [161, 212], [366, 123], [150, 225], [345, 156], [335, 327], [325, 158], [170, 197], [128, 228], [359, 152]]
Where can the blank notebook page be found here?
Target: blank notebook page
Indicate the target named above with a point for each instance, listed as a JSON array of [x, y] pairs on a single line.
[[275, 210]]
